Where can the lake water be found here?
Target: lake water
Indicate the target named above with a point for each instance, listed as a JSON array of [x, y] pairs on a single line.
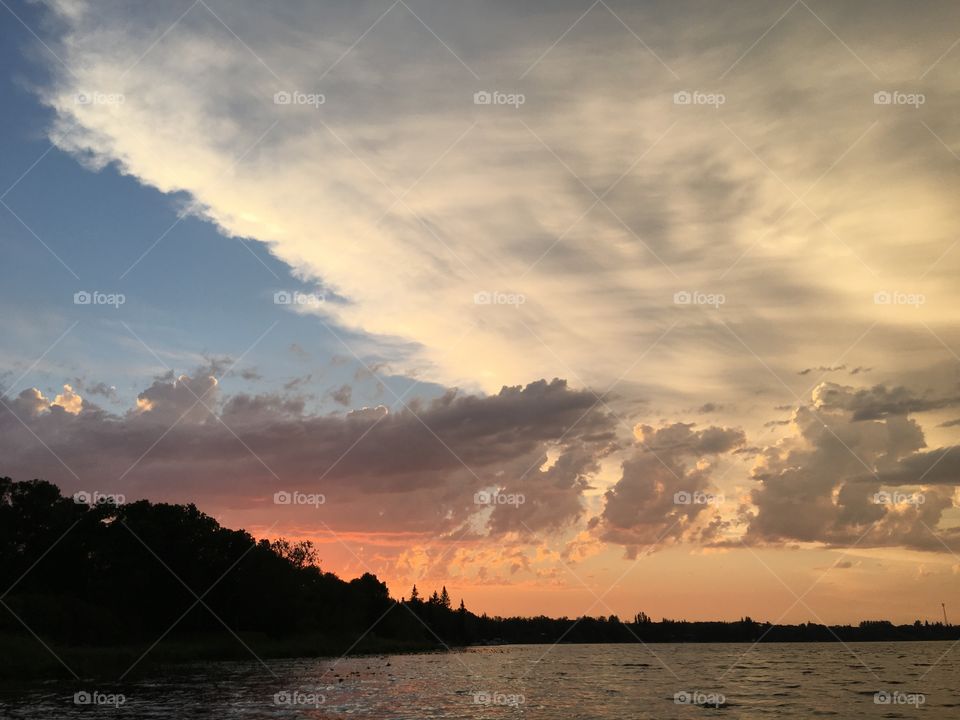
[[889, 680]]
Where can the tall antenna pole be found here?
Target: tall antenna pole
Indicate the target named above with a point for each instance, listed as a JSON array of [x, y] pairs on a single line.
[[944, 606]]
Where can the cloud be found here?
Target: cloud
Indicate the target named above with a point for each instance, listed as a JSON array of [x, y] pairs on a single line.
[[822, 369], [250, 374], [931, 467], [342, 395], [98, 388], [378, 470], [183, 398], [258, 411], [406, 199], [829, 481], [297, 382], [552, 496], [69, 400], [31, 402], [664, 486], [879, 401]]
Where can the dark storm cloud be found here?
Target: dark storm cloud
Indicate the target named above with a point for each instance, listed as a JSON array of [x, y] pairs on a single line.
[[378, 470]]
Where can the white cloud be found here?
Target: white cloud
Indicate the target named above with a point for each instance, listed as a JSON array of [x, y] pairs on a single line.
[[824, 190]]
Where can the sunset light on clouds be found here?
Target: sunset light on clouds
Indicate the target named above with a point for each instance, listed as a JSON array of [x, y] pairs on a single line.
[[572, 308]]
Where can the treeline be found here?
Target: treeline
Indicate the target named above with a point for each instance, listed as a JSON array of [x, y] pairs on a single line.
[[642, 629], [108, 575]]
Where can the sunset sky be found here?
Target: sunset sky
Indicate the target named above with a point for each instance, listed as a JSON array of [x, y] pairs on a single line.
[[573, 308]]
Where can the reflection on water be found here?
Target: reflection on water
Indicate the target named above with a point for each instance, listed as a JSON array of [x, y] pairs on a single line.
[[890, 680]]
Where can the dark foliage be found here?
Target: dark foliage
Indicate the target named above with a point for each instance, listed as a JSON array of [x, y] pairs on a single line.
[[111, 574]]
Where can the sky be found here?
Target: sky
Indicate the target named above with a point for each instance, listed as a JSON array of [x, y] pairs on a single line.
[[573, 308]]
